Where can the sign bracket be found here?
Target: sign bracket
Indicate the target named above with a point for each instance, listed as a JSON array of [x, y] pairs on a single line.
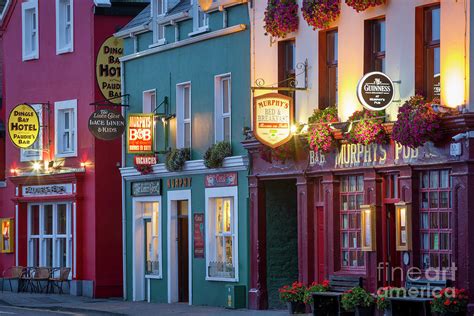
[[291, 84]]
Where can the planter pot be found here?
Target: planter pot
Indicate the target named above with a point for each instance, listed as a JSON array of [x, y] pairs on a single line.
[[365, 311], [296, 307]]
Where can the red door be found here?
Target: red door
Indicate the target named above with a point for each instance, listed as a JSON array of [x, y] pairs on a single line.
[[320, 251]]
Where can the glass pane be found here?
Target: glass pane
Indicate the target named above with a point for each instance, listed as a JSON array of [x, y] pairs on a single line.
[[444, 258], [354, 241], [434, 261], [344, 203], [48, 252], [345, 185], [225, 96], [48, 219], [187, 135], [435, 24], [345, 240], [345, 258], [444, 179], [433, 199], [34, 252], [219, 216], [148, 247], [187, 103], [434, 241], [227, 215], [424, 221], [219, 249], [183, 207], [61, 217], [228, 250], [424, 200], [360, 184], [434, 180], [425, 180], [353, 258], [345, 221], [444, 220], [360, 201], [425, 241], [433, 220], [34, 220], [444, 199], [352, 202], [62, 253], [360, 259], [444, 241], [353, 184], [227, 129], [395, 186], [381, 25], [352, 221], [426, 261]]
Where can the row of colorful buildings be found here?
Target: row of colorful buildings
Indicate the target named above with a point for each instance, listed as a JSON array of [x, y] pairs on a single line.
[[131, 96]]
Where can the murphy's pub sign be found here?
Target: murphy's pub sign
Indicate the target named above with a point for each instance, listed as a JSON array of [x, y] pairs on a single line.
[[272, 119]]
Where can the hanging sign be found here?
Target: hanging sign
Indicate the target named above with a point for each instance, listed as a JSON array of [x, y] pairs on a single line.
[[198, 235], [375, 91], [108, 68], [272, 118], [106, 124], [140, 134], [23, 126]]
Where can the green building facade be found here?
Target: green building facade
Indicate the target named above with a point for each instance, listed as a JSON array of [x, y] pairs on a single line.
[[186, 232]]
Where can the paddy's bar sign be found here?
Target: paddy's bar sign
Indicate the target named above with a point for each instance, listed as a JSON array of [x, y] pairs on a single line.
[[272, 118], [23, 126], [106, 124], [140, 134], [375, 91], [108, 69]]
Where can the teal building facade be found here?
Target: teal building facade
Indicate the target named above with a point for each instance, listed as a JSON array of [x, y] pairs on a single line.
[[185, 229]]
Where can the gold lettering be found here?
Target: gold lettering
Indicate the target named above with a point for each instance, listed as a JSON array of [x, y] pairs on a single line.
[[406, 152], [415, 153], [367, 154], [339, 157], [374, 148], [353, 153], [383, 158], [360, 152], [398, 149], [347, 155]]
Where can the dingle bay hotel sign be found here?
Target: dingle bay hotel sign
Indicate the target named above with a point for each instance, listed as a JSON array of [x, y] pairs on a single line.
[[272, 119], [23, 126], [108, 69]]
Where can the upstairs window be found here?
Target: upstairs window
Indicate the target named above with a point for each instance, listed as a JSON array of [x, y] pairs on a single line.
[[200, 19], [65, 116], [35, 152], [286, 64], [30, 42], [64, 26], [223, 108], [183, 115], [328, 63], [374, 59], [159, 9]]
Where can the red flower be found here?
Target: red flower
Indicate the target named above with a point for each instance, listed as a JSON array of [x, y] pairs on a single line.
[[447, 302]]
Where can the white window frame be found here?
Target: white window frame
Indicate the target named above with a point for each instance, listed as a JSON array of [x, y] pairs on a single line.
[[35, 154], [219, 114], [27, 6], [158, 29], [61, 27], [197, 28], [181, 121], [60, 107], [54, 236], [210, 195], [148, 106]]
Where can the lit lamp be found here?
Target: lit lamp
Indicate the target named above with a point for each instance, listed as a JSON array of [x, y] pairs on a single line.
[[368, 241], [403, 226], [6, 236]]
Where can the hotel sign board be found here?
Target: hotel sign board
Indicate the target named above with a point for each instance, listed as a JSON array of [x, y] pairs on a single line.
[[47, 190], [140, 134], [108, 69], [375, 91], [23, 126], [272, 119]]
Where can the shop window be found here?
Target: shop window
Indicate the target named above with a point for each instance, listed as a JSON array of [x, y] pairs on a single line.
[[221, 235], [30, 41], [436, 222], [183, 115], [152, 220], [374, 58], [391, 186], [65, 116], [427, 54], [49, 235], [35, 152], [352, 197], [222, 108], [286, 65], [64, 26], [159, 8], [328, 64]]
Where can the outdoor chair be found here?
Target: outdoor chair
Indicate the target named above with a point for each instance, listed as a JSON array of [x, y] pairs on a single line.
[[12, 273], [40, 274], [57, 282]]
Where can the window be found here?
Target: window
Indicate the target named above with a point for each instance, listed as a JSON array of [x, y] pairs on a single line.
[[64, 26], [159, 7], [65, 117], [200, 19], [352, 197], [35, 152], [222, 109], [436, 222], [221, 237], [328, 60], [374, 59], [183, 115], [149, 106], [286, 64], [30, 43], [49, 235], [427, 53], [152, 222]]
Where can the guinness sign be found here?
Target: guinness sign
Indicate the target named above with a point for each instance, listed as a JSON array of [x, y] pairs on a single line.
[[375, 91]]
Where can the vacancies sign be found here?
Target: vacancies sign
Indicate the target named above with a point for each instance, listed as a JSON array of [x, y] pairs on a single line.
[[108, 68], [23, 126], [272, 118]]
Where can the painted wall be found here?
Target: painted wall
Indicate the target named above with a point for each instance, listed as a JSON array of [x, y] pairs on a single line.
[[400, 48]]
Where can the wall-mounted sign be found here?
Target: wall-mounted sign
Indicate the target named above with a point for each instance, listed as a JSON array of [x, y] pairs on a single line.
[[47, 190], [106, 124], [375, 91], [140, 134], [175, 183], [272, 119], [368, 223], [23, 126], [198, 235], [145, 188], [108, 68], [7, 237], [403, 226], [221, 180], [145, 160]]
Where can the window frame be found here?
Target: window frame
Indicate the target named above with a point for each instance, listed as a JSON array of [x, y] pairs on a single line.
[[59, 107], [210, 195], [35, 154], [197, 28], [180, 120], [156, 17], [371, 55], [219, 115], [324, 69], [27, 6], [62, 47]]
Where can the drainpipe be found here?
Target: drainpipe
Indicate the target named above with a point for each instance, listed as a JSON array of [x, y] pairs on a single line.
[[124, 221]]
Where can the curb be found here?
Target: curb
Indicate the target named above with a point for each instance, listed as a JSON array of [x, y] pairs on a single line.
[[60, 309]]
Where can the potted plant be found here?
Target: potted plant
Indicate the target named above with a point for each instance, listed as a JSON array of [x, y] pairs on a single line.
[[417, 123], [366, 128], [215, 155], [362, 5], [294, 296], [383, 298], [358, 300], [450, 302], [281, 17], [320, 13], [176, 159], [320, 136], [318, 307]]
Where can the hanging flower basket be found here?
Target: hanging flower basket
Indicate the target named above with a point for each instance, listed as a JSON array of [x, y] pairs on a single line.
[[144, 169], [321, 13], [176, 159], [417, 123], [362, 5], [281, 17], [366, 128], [215, 155], [320, 137]]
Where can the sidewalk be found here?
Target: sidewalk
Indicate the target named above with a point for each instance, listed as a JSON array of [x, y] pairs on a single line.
[[84, 305]]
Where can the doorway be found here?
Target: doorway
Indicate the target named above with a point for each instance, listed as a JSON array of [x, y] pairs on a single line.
[[183, 251]]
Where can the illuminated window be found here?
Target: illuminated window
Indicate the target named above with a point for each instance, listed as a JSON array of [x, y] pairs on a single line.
[[183, 115], [375, 45], [222, 109], [328, 65], [352, 197], [64, 26], [35, 152], [30, 41], [152, 221], [436, 220]]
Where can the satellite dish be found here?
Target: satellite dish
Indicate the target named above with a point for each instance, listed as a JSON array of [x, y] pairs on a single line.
[[205, 4]]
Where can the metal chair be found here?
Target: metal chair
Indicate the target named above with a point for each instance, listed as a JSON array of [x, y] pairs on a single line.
[[40, 274], [57, 282], [12, 273]]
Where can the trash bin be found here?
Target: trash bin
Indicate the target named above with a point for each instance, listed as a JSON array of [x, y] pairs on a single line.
[[235, 296]]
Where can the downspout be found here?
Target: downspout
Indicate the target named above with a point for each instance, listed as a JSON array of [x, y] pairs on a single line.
[[124, 221]]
